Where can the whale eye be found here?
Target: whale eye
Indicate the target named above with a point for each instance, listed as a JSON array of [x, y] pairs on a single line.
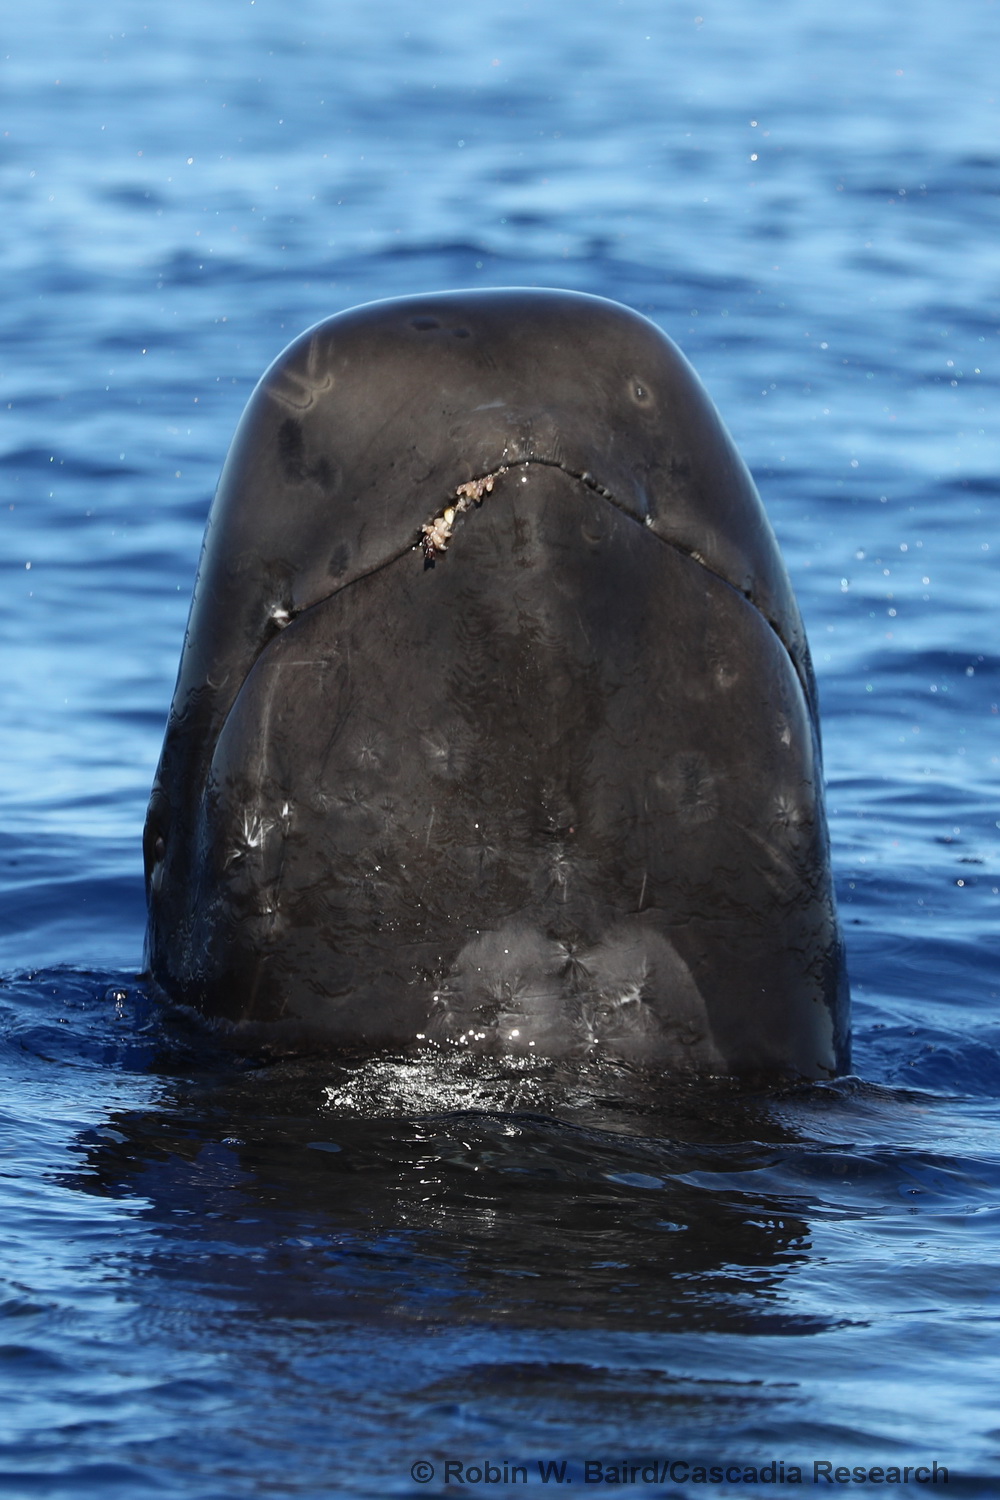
[[423, 325], [154, 839], [641, 393]]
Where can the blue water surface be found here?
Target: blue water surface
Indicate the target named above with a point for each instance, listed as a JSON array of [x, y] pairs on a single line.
[[222, 1280]]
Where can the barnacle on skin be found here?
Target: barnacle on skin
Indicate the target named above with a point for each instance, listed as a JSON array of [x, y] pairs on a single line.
[[477, 488], [436, 533]]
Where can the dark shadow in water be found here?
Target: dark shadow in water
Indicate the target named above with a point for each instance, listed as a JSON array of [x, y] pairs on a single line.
[[331, 1269], [404, 1190]]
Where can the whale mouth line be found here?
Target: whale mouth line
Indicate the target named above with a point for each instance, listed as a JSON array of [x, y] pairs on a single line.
[[434, 535]]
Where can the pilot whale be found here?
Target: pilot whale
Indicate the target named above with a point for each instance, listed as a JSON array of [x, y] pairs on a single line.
[[495, 726]]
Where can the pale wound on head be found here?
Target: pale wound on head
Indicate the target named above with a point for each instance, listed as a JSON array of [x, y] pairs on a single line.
[[436, 533]]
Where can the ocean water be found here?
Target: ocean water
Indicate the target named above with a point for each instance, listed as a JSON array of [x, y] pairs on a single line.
[[225, 1280]]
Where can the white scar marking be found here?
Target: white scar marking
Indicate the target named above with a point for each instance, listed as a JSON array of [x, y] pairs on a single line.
[[251, 835], [297, 389]]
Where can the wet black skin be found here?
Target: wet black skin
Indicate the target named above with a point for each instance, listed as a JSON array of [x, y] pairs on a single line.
[[556, 789]]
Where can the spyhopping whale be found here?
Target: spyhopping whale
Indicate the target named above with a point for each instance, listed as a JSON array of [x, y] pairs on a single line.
[[495, 726]]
